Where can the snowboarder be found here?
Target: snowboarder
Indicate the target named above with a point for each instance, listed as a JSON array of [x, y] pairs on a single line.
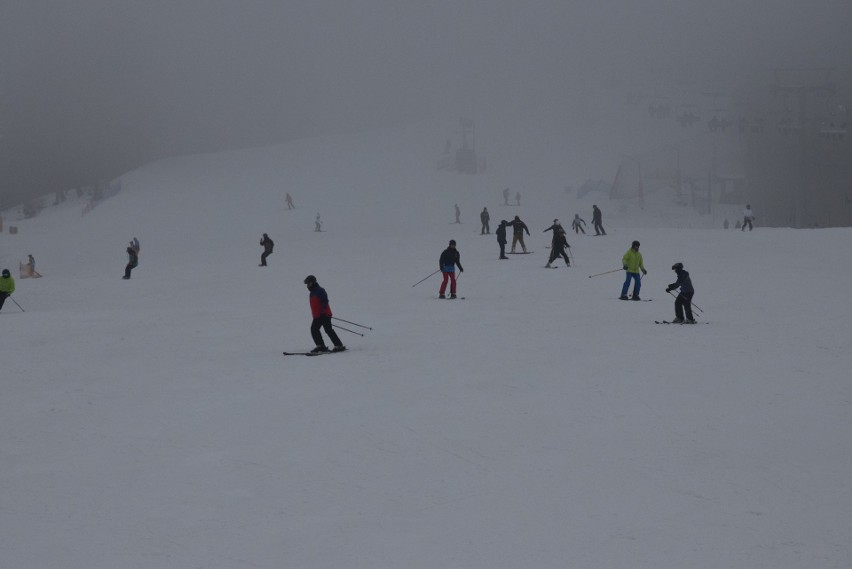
[[458, 214], [267, 245], [683, 302], [632, 263], [748, 217], [450, 257], [289, 200], [558, 244], [321, 312], [7, 286], [518, 228], [576, 224], [485, 217], [132, 262], [500, 232], [597, 220]]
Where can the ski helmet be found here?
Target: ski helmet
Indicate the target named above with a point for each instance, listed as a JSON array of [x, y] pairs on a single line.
[[6, 273], [452, 242], [635, 244], [677, 267], [310, 279]]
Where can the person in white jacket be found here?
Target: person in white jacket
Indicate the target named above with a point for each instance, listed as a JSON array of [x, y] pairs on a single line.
[[748, 217]]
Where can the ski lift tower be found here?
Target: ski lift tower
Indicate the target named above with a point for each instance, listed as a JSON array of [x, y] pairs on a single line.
[[801, 83], [466, 160]]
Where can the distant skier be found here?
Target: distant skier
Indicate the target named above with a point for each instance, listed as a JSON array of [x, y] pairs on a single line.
[[289, 200], [450, 257], [321, 313], [518, 228], [558, 244], [28, 270], [632, 263], [317, 223], [500, 232], [577, 224], [748, 218], [506, 196], [458, 214], [7, 286], [683, 302], [597, 221], [267, 245], [485, 217], [132, 262], [518, 198]]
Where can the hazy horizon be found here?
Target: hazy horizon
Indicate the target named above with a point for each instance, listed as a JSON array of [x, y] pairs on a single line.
[[90, 89]]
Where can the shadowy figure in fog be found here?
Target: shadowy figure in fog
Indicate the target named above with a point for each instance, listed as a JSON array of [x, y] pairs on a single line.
[[485, 217], [597, 220]]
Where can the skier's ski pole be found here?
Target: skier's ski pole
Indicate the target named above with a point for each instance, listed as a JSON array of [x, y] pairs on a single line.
[[353, 323], [348, 330], [606, 273], [424, 278], [691, 303], [16, 302]]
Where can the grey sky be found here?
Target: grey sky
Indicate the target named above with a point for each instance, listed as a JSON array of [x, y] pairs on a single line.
[[93, 87]]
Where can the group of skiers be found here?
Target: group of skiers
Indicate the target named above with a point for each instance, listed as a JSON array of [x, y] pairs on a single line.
[[632, 264]]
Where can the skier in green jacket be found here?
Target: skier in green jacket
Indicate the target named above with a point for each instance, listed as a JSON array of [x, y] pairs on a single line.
[[632, 263], [7, 286]]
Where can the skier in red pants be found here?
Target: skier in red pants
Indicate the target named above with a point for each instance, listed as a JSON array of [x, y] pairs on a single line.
[[447, 264]]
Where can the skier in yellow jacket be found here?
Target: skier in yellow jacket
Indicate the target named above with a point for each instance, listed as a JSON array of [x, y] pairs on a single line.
[[632, 263], [7, 286]]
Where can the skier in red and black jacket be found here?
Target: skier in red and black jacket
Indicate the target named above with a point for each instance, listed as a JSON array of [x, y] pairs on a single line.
[[321, 312]]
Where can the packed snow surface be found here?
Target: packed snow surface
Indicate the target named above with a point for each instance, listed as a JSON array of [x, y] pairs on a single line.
[[538, 423]]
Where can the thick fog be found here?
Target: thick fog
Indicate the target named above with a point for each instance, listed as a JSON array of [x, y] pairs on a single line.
[[92, 88]]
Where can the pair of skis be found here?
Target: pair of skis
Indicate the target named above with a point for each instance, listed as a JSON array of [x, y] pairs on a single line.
[[311, 354]]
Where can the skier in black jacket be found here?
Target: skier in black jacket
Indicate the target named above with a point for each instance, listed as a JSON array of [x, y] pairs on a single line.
[[518, 228], [558, 244], [683, 302], [500, 232], [267, 245], [597, 220], [132, 262]]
